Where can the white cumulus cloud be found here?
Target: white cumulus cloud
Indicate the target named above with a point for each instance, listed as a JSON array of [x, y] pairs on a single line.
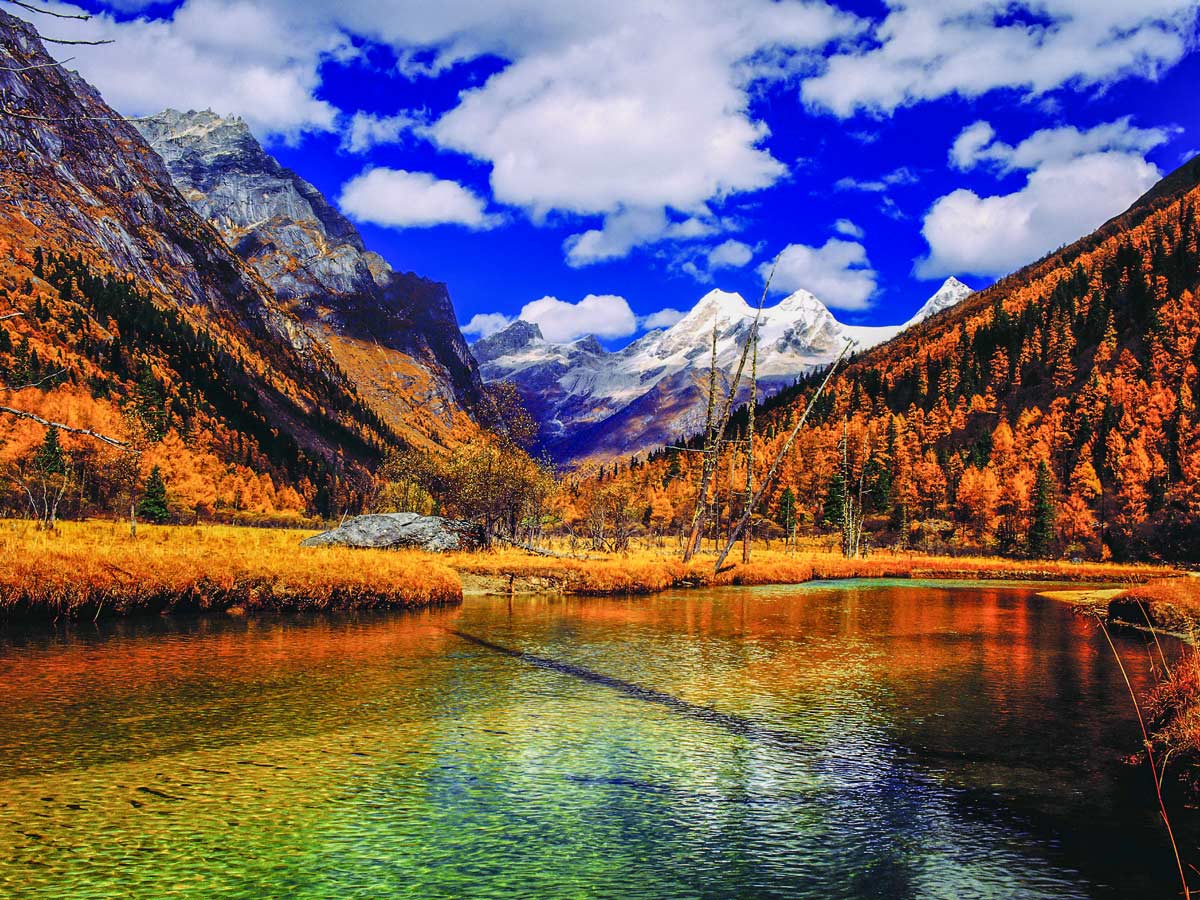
[[366, 130], [664, 318], [846, 228], [1060, 202], [977, 144], [730, 255], [401, 199], [838, 273], [935, 48], [487, 324], [604, 315]]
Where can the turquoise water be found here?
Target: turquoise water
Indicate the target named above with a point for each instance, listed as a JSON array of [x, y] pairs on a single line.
[[838, 740]]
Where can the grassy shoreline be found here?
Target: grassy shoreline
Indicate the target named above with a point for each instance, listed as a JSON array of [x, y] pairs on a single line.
[[85, 570]]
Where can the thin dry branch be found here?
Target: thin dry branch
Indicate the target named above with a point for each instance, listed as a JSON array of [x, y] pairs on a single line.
[[45, 65], [9, 111], [10, 315], [50, 40], [42, 11], [46, 423], [31, 384]]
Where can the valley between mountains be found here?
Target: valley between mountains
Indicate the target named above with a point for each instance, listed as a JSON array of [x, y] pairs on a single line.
[[304, 594]]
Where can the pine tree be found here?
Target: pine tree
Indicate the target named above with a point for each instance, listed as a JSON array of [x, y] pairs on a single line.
[[49, 459], [1045, 512], [153, 503], [834, 513], [786, 513]]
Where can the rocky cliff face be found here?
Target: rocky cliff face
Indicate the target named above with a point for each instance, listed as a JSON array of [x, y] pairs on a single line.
[[78, 181], [75, 171], [395, 334]]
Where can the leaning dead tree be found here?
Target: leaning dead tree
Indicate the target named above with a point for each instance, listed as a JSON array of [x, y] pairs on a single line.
[[714, 432], [748, 534], [769, 478], [47, 423]]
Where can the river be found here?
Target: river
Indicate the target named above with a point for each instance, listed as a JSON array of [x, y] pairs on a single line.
[[834, 740]]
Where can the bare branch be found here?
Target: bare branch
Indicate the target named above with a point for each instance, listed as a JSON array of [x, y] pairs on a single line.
[[38, 383], [50, 40], [82, 17], [9, 111], [769, 479], [46, 423], [45, 65], [10, 315]]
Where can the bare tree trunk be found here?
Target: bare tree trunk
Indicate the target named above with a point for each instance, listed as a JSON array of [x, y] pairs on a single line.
[[714, 435], [748, 536], [773, 470], [707, 463]]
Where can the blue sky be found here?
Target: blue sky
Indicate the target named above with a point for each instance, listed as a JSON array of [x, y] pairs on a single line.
[[533, 153]]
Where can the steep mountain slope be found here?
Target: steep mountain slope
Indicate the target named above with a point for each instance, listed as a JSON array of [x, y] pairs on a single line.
[[394, 334], [1053, 412], [594, 403], [124, 304]]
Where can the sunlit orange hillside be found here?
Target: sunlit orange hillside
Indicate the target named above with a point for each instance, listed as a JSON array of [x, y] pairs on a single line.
[[122, 310], [1052, 413]]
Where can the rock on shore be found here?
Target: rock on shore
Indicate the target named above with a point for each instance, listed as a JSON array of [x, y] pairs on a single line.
[[394, 531]]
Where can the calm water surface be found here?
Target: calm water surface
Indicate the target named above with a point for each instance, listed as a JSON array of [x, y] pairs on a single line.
[[837, 740]]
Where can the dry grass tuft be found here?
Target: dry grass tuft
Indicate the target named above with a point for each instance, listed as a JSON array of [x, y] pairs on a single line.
[[649, 571], [1173, 707], [1169, 604], [85, 568]]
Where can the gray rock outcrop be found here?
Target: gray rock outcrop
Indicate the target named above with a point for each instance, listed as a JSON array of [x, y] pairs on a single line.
[[396, 531]]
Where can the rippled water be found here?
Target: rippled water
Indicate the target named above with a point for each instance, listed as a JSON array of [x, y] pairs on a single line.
[[837, 740]]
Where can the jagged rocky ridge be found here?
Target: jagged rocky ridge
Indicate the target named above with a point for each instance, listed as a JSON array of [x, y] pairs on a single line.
[[394, 333], [590, 402]]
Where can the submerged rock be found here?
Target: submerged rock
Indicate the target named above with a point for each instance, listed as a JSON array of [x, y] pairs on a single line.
[[394, 531]]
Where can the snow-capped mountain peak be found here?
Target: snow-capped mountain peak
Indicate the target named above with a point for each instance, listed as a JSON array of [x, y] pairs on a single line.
[[592, 401], [950, 293]]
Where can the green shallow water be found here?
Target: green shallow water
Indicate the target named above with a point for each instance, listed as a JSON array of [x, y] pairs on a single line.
[[836, 740]]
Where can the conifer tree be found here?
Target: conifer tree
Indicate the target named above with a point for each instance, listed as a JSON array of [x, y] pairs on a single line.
[[1045, 512], [153, 503], [786, 514]]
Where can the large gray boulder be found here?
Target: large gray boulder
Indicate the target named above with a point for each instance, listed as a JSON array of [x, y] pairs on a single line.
[[406, 530]]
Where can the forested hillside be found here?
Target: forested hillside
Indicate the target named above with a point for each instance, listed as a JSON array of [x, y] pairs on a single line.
[[1054, 413], [122, 311]]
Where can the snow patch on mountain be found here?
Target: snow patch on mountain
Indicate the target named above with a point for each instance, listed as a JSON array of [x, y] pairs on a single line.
[[571, 388]]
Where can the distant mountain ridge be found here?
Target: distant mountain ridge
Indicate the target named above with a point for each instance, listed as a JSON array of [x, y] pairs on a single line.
[[591, 402], [395, 334]]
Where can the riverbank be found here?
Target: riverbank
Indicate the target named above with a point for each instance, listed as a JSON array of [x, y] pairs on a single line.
[[1170, 710], [84, 570], [510, 570]]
